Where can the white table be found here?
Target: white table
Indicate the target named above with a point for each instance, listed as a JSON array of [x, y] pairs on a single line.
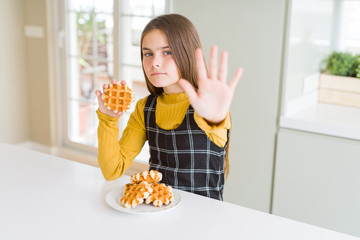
[[46, 197]]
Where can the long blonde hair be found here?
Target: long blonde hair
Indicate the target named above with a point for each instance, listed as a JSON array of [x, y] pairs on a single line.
[[183, 40]]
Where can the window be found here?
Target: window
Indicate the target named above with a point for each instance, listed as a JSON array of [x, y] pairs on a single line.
[[102, 44], [350, 26], [316, 28], [309, 39]]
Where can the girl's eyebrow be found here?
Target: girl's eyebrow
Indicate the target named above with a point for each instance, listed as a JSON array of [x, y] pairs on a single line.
[[160, 48]]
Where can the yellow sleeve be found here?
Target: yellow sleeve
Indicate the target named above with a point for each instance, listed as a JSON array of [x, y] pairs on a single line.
[[115, 156], [217, 133]]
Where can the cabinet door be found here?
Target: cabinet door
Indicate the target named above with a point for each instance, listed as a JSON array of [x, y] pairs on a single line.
[[317, 180]]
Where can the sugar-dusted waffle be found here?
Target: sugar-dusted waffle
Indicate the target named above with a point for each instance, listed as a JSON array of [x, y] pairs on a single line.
[[135, 193], [118, 97], [151, 176], [161, 194]]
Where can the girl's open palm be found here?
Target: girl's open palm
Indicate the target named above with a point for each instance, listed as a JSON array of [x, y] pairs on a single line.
[[213, 98]]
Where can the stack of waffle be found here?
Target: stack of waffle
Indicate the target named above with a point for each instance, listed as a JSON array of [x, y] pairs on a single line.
[[145, 187]]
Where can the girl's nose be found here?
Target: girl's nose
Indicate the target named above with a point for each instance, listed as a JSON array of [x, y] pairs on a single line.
[[156, 63]]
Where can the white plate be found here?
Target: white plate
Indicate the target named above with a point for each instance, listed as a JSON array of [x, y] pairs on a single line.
[[114, 196]]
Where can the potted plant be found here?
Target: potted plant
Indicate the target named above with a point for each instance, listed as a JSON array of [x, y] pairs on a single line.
[[340, 80]]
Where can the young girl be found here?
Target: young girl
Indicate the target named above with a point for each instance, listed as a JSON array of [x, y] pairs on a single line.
[[186, 117]]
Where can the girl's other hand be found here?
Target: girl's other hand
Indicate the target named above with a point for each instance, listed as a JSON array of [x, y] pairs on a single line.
[[213, 99], [102, 107]]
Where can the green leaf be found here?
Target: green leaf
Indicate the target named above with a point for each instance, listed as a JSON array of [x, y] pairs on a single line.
[[339, 63]]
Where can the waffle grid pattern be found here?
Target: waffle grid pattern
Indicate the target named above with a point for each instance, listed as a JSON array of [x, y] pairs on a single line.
[[161, 194], [118, 97], [134, 194]]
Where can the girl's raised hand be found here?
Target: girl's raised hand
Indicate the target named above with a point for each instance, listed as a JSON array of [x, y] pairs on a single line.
[[102, 107], [213, 98]]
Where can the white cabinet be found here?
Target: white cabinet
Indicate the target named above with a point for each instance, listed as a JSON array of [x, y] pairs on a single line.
[[317, 180]]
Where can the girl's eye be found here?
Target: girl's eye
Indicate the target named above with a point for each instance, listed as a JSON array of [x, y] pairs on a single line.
[[167, 53], [147, 54]]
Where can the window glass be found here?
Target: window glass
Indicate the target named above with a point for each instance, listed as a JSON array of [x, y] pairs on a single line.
[[309, 41], [91, 60], [350, 27]]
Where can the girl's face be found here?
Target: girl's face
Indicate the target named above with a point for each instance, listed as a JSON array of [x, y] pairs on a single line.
[[158, 62]]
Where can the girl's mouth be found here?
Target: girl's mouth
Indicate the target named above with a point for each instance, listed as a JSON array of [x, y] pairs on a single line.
[[157, 74]]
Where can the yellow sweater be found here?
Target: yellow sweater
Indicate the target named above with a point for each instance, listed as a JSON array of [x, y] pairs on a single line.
[[115, 156]]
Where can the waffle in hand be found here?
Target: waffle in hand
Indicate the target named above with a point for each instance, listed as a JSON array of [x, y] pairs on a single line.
[[151, 176], [135, 193], [161, 194], [118, 97]]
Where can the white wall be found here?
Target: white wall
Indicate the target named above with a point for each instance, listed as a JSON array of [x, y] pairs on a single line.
[[37, 69], [14, 109], [252, 32], [24, 83]]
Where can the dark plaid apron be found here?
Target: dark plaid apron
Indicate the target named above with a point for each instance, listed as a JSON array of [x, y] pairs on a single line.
[[185, 156]]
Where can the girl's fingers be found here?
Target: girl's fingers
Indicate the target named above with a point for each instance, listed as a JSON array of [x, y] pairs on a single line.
[[99, 98], [200, 64], [223, 67], [98, 95], [235, 79], [213, 62], [118, 114], [189, 90]]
